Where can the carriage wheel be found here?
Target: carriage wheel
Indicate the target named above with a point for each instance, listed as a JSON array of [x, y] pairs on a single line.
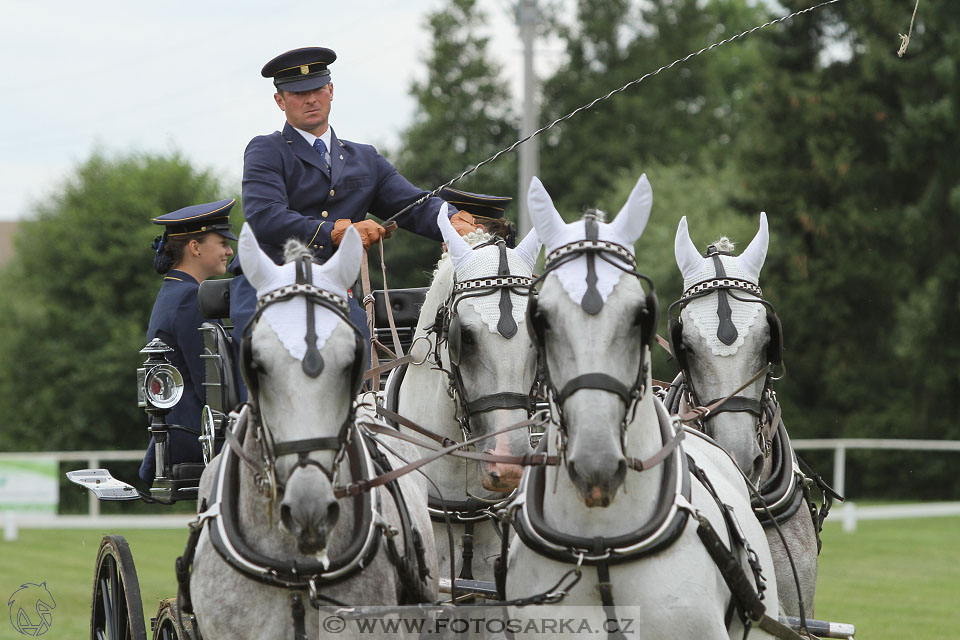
[[117, 612], [167, 625]]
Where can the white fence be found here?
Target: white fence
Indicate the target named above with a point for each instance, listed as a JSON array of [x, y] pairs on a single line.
[[13, 521], [850, 511], [840, 446]]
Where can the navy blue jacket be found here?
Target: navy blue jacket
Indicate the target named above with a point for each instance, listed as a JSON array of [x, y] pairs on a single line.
[[287, 193], [176, 320]]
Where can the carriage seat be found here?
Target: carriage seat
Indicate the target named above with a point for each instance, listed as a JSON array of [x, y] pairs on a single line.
[[187, 470], [220, 383], [214, 298]]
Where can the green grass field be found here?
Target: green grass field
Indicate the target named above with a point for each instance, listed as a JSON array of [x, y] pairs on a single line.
[[893, 579]]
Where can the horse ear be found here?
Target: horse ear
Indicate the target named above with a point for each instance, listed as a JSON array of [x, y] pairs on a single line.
[[753, 257], [344, 266], [529, 249], [546, 219], [688, 258], [460, 252], [632, 219], [257, 265]]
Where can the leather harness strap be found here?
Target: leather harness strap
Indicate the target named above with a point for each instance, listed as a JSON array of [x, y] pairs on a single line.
[[527, 459], [365, 485], [698, 413], [601, 381]]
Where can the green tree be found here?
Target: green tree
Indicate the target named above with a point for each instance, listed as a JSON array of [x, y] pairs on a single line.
[[78, 296], [463, 116], [686, 115], [853, 151]]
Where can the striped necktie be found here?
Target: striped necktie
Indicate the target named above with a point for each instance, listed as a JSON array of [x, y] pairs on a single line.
[[322, 150]]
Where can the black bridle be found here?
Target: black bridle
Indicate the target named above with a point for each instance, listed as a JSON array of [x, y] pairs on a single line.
[[620, 257], [448, 333], [312, 366], [724, 287]]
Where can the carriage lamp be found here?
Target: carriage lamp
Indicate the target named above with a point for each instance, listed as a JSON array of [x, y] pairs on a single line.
[[159, 389], [159, 383]]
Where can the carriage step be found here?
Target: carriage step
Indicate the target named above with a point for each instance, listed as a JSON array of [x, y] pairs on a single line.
[[474, 587], [822, 628], [103, 485]]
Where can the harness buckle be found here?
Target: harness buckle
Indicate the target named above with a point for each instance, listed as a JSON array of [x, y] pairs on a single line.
[[387, 529]]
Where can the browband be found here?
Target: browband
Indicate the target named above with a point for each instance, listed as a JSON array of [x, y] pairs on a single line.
[[308, 290]]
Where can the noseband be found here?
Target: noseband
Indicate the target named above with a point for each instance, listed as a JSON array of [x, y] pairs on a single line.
[[725, 287], [592, 303], [448, 329], [312, 365]]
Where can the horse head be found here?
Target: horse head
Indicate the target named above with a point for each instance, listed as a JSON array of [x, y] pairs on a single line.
[[593, 327], [303, 360], [723, 337], [490, 358]]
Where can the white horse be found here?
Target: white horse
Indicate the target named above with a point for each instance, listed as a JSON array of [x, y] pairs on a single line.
[[474, 369], [635, 550], [277, 537], [726, 334]]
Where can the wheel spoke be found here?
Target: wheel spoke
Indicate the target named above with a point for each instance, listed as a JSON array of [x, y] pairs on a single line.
[[115, 622], [106, 605]]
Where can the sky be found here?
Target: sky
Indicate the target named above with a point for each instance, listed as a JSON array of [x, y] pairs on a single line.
[[119, 76]]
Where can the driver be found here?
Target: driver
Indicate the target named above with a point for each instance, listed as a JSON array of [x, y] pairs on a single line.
[[305, 182], [194, 246]]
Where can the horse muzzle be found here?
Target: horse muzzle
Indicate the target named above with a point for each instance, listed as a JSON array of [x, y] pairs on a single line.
[[309, 510], [596, 484]]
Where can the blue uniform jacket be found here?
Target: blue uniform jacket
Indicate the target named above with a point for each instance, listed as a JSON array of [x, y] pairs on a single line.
[[287, 193], [176, 320]]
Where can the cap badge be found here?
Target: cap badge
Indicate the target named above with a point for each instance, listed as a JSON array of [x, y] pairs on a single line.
[[304, 69]]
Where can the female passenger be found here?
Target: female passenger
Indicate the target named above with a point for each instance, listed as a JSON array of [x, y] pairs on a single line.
[[193, 247]]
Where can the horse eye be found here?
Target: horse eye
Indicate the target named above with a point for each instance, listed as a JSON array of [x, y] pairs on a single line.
[[467, 337], [540, 319]]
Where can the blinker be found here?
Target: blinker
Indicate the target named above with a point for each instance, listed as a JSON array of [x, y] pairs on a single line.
[[453, 340]]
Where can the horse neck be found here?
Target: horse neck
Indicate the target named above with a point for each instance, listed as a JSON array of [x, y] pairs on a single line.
[[423, 396]]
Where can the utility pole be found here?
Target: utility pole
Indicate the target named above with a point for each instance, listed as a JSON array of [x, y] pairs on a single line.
[[528, 14]]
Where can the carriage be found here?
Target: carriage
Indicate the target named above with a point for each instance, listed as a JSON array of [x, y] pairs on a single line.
[[116, 610], [116, 603]]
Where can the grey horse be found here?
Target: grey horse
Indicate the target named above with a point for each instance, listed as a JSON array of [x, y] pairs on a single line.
[[474, 368], [620, 505], [276, 534], [728, 333]]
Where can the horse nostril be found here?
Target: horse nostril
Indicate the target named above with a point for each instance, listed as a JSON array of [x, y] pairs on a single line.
[[621, 471], [333, 513], [286, 517], [757, 468]]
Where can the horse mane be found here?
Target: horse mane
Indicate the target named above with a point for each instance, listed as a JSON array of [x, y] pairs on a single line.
[[598, 213], [724, 244], [294, 249]]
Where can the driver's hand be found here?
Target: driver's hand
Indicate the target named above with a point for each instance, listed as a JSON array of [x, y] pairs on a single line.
[[463, 222], [370, 231]]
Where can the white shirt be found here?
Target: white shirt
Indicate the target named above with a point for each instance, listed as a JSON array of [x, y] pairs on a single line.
[[310, 138]]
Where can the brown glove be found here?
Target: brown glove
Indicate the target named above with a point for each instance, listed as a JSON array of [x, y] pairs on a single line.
[[463, 222], [370, 231]]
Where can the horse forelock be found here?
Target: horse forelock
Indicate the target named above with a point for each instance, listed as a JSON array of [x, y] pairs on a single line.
[[294, 249]]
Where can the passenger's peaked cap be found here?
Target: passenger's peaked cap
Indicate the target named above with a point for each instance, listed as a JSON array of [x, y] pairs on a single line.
[[302, 69], [199, 218], [476, 204]]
